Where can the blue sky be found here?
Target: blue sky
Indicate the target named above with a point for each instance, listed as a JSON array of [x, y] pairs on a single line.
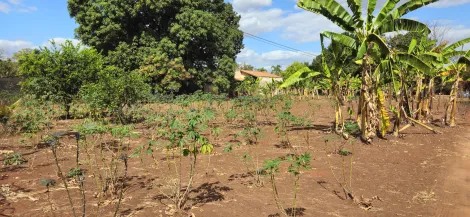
[[32, 23]]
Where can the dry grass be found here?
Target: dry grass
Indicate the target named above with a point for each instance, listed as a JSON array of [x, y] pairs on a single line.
[[424, 197]]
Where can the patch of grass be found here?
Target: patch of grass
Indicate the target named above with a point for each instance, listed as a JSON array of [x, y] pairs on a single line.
[[14, 159]]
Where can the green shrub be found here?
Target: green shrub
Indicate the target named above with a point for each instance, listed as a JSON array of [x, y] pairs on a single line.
[[351, 128], [9, 97], [5, 114], [56, 74], [115, 91], [14, 159], [30, 115]]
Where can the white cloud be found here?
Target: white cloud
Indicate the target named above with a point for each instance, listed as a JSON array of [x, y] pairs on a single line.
[[256, 22], [4, 7], [246, 5], [28, 9], [15, 2], [268, 59], [10, 47], [457, 33], [448, 3], [17, 5], [300, 26], [306, 27]]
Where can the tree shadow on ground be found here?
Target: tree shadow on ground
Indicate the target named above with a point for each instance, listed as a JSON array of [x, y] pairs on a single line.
[[283, 145], [324, 128], [298, 211], [5, 207], [244, 178], [11, 169], [335, 192], [209, 192]]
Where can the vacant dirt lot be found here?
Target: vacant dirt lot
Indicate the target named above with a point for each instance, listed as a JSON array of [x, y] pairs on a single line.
[[419, 174]]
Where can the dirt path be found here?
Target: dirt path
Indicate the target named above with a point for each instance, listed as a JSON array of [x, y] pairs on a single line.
[[456, 198]]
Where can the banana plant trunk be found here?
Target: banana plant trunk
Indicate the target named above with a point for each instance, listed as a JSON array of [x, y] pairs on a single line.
[[452, 105], [339, 121], [427, 102], [368, 104], [400, 96], [418, 97]]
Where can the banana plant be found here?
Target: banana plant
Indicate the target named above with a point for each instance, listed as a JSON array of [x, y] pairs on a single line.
[[425, 51], [454, 68], [416, 64], [302, 75], [368, 42]]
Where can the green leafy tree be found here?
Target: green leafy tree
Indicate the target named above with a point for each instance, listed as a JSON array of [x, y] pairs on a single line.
[[203, 33], [246, 66], [8, 68], [165, 76], [401, 42], [276, 70], [115, 90], [58, 73], [292, 68]]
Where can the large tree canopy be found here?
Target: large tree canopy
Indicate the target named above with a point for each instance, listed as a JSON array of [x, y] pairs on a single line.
[[203, 33]]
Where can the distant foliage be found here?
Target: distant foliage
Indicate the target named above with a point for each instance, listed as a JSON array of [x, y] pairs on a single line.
[[30, 115], [249, 86], [202, 35], [8, 68], [115, 90], [164, 75], [56, 74]]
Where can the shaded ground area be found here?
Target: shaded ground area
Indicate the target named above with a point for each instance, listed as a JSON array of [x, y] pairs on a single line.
[[419, 174]]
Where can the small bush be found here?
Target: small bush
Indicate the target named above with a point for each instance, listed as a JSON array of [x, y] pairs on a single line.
[[5, 114], [14, 159], [30, 116], [351, 128], [115, 91]]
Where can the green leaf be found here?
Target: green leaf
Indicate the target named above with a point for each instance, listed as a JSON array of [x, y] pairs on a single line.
[[356, 8], [403, 25], [330, 9], [388, 6], [340, 38], [186, 152], [384, 49], [411, 6], [344, 152], [413, 44], [455, 45], [370, 13], [299, 76], [413, 61]]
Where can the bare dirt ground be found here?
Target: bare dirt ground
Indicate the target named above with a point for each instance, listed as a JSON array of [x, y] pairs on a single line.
[[419, 174]]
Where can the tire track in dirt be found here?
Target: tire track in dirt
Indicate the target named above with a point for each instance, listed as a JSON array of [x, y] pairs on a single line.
[[456, 201]]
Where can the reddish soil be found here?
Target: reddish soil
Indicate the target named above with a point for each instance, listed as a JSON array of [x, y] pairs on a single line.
[[420, 174]]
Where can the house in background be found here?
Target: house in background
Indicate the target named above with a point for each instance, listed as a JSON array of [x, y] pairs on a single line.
[[264, 77]]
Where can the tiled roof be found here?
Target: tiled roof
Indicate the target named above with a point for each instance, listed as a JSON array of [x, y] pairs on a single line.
[[260, 74]]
